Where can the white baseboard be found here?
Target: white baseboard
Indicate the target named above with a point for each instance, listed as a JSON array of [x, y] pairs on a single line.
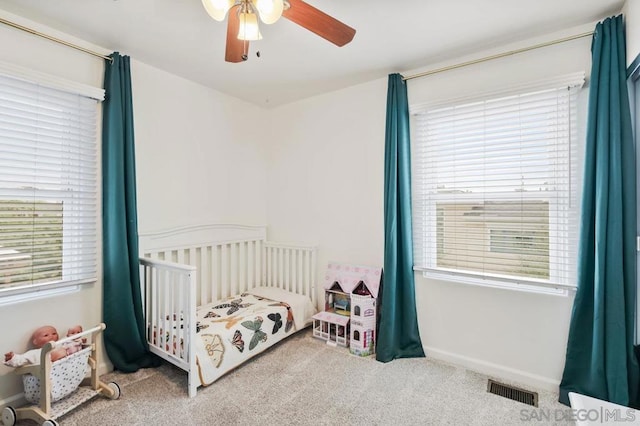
[[494, 370], [104, 368]]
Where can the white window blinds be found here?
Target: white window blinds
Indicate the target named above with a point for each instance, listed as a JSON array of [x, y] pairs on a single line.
[[48, 186], [495, 185]]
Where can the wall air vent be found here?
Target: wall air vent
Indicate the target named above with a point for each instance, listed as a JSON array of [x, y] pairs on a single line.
[[511, 392]]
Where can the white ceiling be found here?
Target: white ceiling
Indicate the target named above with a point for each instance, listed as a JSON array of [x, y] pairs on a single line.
[[392, 36]]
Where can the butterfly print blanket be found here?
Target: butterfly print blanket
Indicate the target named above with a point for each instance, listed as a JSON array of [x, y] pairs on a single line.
[[233, 330]]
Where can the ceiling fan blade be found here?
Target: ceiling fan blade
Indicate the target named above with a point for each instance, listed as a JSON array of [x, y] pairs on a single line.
[[236, 50], [319, 22]]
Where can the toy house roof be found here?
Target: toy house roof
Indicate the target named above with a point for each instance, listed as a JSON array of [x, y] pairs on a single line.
[[348, 277]]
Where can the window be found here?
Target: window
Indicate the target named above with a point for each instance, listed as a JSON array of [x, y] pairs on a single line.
[[48, 187], [495, 187]]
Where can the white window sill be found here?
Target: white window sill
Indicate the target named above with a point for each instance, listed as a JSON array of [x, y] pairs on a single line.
[[13, 295], [504, 284]]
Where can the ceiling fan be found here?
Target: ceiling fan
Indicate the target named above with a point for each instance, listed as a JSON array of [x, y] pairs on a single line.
[[243, 22]]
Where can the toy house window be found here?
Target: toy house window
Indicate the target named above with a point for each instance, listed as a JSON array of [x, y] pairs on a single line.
[[356, 311], [341, 302], [48, 187], [368, 313], [356, 335]]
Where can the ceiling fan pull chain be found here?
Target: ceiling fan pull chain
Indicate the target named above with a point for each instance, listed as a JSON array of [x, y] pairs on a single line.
[[245, 50]]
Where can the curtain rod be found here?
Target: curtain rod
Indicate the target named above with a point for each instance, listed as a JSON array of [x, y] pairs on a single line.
[[499, 55], [57, 40]]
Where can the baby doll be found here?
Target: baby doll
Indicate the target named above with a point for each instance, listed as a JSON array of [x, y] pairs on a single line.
[[40, 337], [74, 345]]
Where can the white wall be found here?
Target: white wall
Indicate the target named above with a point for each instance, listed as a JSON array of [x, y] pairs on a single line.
[[631, 13], [326, 187], [200, 155], [200, 158], [325, 176]]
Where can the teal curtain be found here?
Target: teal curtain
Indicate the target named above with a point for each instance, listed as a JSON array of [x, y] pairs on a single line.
[[600, 361], [398, 335], [124, 336]]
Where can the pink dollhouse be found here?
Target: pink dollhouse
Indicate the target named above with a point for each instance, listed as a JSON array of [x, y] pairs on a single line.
[[349, 318]]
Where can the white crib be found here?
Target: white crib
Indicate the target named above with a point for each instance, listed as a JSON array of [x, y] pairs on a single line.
[[187, 267]]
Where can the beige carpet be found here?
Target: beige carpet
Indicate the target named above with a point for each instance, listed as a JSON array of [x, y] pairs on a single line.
[[302, 381]]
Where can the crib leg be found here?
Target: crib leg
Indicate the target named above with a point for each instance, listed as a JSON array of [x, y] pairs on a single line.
[[193, 384]]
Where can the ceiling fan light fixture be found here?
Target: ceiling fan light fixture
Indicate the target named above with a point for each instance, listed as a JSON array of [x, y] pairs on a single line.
[[248, 29], [243, 17], [217, 9], [270, 10]]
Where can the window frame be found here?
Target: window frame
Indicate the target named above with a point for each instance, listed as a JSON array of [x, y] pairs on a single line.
[[551, 286]]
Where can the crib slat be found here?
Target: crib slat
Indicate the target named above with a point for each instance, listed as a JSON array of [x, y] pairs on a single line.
[[202, 276], [276, 272], [242, 267], [233, 267], [160, 286], [300, 277], [268, 269], [183, 310], [166, 298], [272, 267], [259, 262], [224, 271], [250, 264], [155, 305], [145, 295], [216, 253], [280, 267], [294, 270], [176, 313], [173, 313], [239, 266], [246, 265], [287, 272]]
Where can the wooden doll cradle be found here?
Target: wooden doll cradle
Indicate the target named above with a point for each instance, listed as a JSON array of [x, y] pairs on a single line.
[[57, 395]]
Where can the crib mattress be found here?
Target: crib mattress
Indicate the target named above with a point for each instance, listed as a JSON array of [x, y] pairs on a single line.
[[233, 330]]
